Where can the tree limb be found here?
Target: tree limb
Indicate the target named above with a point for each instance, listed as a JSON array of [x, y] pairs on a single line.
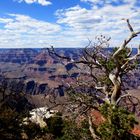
[[126, 41], [94, 136]]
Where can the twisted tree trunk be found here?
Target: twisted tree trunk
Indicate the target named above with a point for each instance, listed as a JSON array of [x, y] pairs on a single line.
[[116, 89]]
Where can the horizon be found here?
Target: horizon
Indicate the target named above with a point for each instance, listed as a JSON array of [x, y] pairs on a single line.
[[57, 48], [65, 23]]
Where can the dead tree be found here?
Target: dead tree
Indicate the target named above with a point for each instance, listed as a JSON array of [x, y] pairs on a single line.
[[101, 76], [110, 66]]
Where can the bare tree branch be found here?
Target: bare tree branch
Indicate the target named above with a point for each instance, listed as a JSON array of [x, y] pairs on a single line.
[[126, 41], [94, 136]]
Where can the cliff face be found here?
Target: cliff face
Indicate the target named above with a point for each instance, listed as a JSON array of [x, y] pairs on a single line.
[[19, 56], [33, 70], [38, 72], [16, 86]]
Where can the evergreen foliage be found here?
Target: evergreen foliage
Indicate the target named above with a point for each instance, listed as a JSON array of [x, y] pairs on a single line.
[[118, 123]]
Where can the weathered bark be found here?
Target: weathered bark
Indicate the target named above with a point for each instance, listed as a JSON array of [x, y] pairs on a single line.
[[115, 79], [116, 89], [94, 136], [126, 41]]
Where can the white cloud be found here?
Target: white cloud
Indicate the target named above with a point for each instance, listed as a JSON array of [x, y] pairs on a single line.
[[73, 28], [5, 20], [102, 2], [24, 31], [26, 24], [106, 20], [78, 17], [41, 2]]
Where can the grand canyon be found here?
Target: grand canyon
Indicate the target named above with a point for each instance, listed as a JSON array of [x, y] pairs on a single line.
[[36, 73]]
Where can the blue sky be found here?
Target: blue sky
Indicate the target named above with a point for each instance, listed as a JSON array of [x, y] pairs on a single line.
[[65, 23]]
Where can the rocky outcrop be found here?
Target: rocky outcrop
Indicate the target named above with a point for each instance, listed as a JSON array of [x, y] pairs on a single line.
[[30, 87], [42, 88], [38, 115], [19, 56], [41, 62], [132, 80], [33, 88], [17, 86]]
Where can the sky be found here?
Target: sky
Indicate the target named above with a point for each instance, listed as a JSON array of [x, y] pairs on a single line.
[[66, 23]]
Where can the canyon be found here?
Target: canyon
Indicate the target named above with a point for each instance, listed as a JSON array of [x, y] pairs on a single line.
[[36, 72]]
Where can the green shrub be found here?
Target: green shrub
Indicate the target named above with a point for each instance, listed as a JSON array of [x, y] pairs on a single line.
[[55, 125], [118, 125]]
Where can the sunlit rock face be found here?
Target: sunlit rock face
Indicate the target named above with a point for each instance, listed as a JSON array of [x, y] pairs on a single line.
[[40, 71], [38, 115]]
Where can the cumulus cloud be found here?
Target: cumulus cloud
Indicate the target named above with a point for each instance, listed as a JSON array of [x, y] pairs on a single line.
[[103, 2], [41, 2], [22, 23], [105, 20], [23, 31], [78, 17], [5, 20], [73, 27]]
